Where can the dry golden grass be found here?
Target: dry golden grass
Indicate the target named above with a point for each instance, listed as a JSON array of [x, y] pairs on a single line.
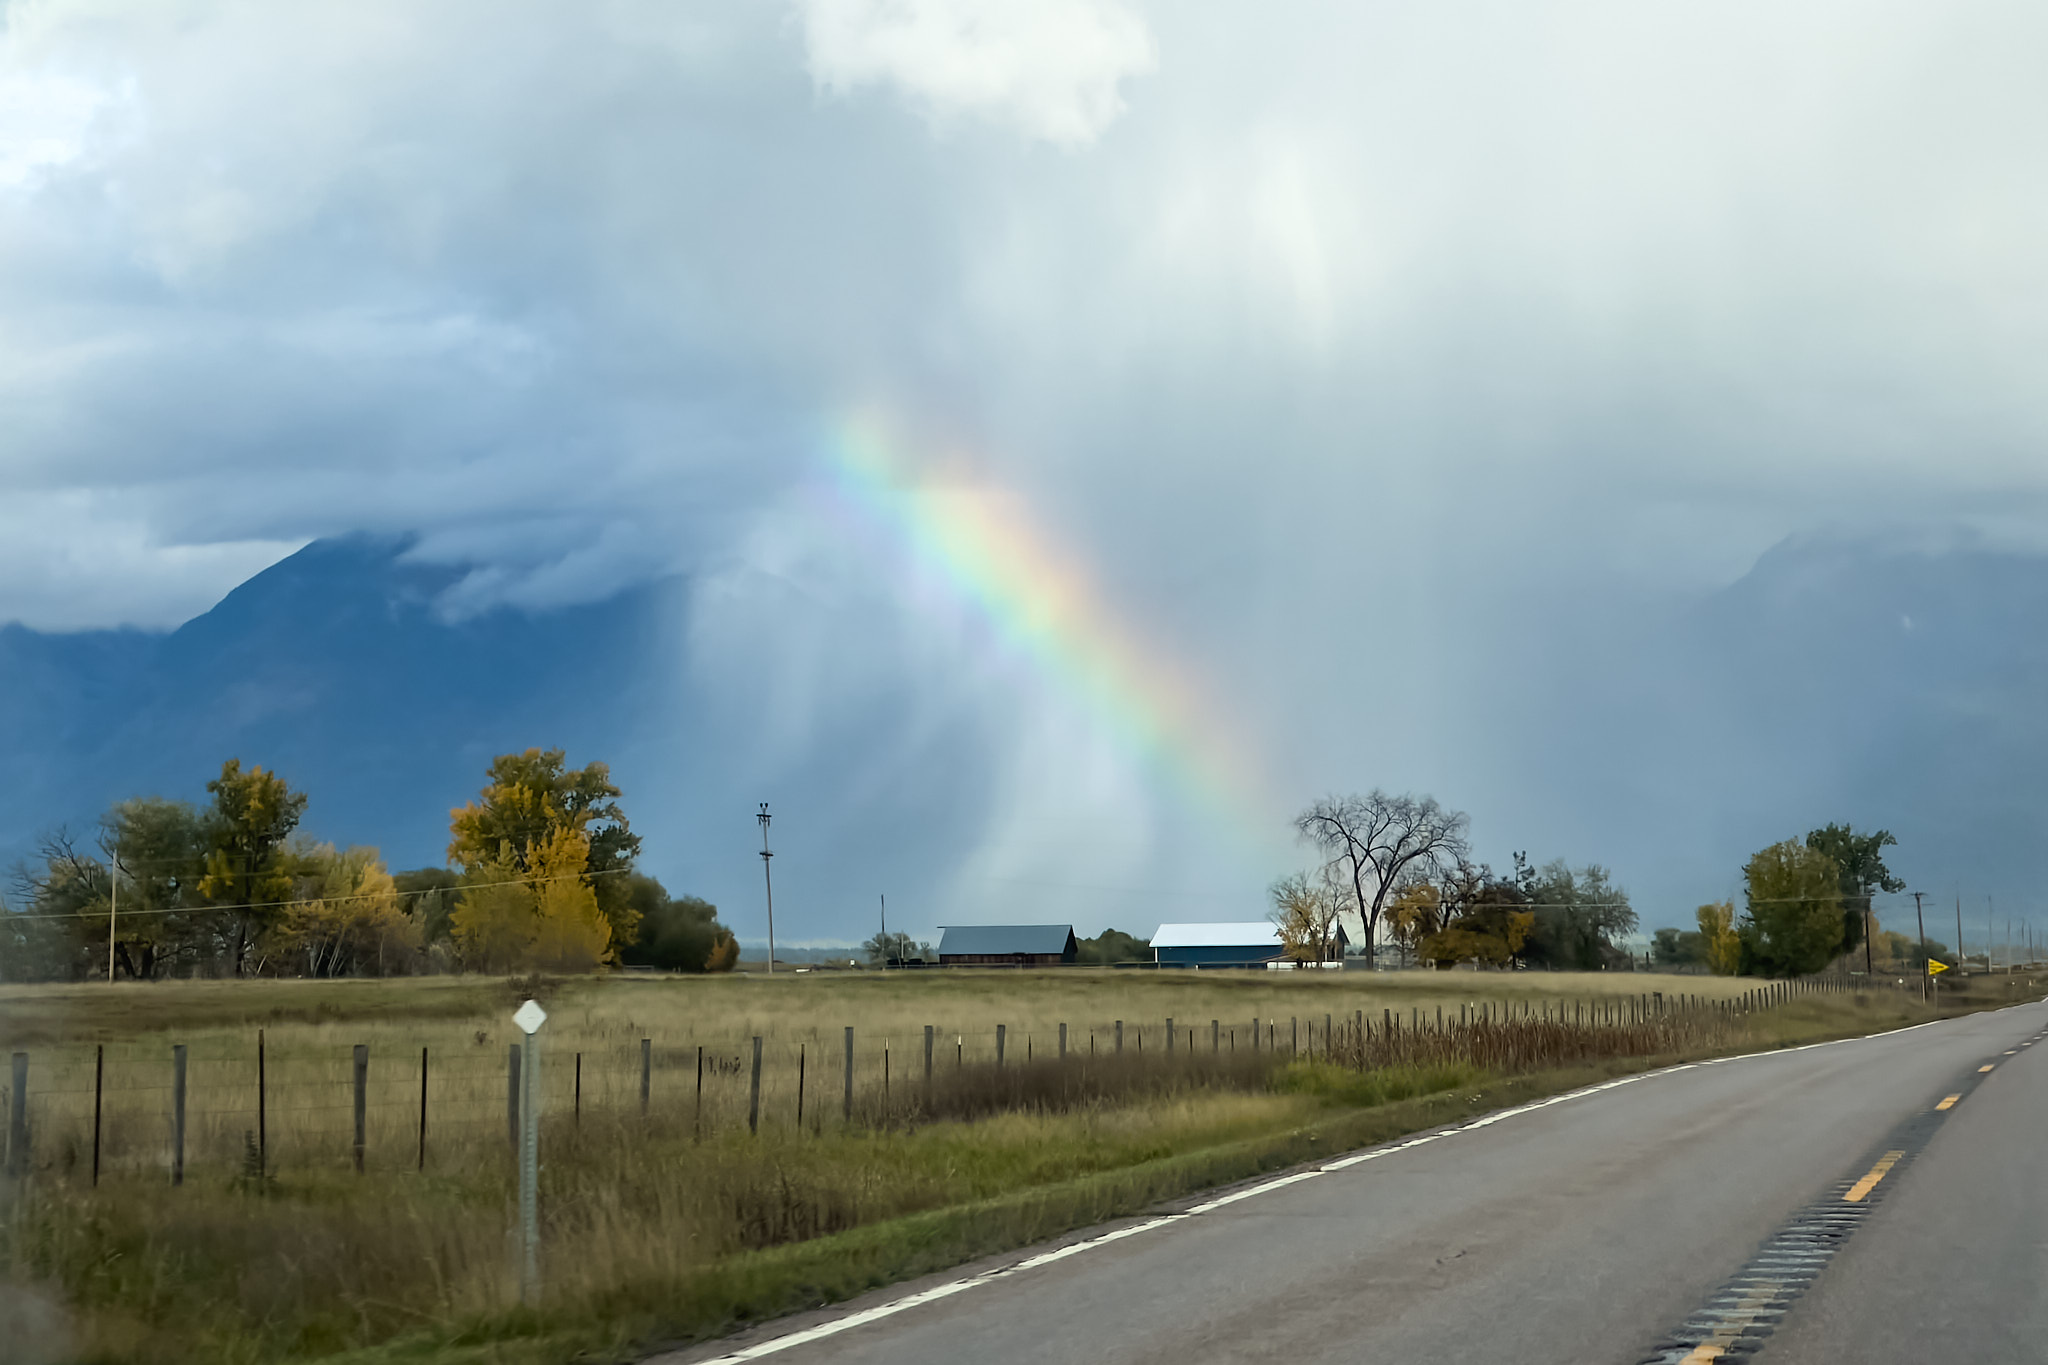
[[679, 1221], [310, 1029]]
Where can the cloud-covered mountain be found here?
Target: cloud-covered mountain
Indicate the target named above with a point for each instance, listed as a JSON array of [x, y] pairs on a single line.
[[343, 669], [336, 668], [1837, 680]]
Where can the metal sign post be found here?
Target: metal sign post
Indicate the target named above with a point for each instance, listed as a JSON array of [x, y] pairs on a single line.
[[529, 1017]]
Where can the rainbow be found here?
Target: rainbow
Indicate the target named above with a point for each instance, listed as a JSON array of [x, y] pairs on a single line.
[[1041, 603]]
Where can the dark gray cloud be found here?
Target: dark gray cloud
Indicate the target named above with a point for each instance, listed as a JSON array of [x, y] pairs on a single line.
[[1342, 347]]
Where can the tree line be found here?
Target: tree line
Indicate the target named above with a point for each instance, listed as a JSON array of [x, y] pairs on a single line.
[[1806, 903], [1402, 868], [540, 876]]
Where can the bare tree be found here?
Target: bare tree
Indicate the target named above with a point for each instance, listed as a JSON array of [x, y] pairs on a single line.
[[1369, 842]]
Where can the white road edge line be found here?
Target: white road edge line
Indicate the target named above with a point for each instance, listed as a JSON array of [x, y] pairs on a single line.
[[941, 1291], [952, 1287]]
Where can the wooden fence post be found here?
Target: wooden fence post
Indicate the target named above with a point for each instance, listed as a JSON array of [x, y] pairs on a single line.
[[847, 1108], [1169, 1033], [754, 1087], [1119, 1035], [362, 1079], [1063, 1042], [17, 1115], [646, 1072], [177, 1108], [99, 1074], [1002, 1037], [262, 1109], [423, 1110], [928, 1051]]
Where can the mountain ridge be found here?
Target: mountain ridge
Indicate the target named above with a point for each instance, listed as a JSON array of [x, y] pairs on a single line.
[[1865, 682]]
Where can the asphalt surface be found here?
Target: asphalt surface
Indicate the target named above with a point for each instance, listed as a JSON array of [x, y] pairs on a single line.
[[1646, 1221]]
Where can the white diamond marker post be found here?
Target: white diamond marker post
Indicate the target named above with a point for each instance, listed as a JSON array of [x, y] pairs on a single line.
[[529, 1016]]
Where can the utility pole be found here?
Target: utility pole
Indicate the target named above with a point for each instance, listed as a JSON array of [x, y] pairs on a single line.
[[885, 929], [769, 883], [1919, 918], [1869, 926], [113, 905], [1960, 955]]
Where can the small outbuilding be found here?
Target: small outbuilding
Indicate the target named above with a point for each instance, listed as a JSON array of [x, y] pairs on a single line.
[[1240, 943], [1007, 945]]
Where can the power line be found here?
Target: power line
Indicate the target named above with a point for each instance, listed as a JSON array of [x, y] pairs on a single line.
[[197, 859], [11, 916]]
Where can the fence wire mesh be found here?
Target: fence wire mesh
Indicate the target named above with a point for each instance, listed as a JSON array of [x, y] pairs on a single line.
[[253, 1105]]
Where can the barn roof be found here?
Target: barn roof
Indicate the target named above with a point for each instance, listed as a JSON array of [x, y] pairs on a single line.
[[1255, 933], [990, 940]]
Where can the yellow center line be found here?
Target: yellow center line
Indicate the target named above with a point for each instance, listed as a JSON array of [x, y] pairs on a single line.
[[1986, 1067], [1869, 1181], [1701, 1354], [1948, 1103]]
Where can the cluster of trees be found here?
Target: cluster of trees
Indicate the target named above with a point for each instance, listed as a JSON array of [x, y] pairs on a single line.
[[1553, 916], [1402, 868], [884, 949], [1807, 902], [540, 877], [1110, 947]]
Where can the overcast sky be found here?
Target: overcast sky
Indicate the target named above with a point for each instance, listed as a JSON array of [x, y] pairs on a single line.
[[1326, 342]]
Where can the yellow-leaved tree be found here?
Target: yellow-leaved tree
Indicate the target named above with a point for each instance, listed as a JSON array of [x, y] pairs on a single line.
[[1723, 944], [571, 933], [1305, 913], [530, 802], [345, 918], [539, 917], [492, 922], [1415, 912]]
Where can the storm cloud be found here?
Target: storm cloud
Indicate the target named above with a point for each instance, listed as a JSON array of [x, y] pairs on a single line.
[[1350, 349]]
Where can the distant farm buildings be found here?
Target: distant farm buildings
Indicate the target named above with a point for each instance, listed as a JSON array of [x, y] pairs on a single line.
[[1007, 945], [1241, 943]]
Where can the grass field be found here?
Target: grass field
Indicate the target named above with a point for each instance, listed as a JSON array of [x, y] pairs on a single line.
[[592, 1046], [678, 1222]]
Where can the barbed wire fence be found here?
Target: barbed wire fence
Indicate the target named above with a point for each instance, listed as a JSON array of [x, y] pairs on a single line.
[[253, 1109]]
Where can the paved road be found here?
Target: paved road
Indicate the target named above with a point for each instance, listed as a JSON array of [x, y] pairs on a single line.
[[1667, 1218]]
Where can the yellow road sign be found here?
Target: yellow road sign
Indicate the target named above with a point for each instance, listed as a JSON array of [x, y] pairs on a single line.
[[1934, 967]]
